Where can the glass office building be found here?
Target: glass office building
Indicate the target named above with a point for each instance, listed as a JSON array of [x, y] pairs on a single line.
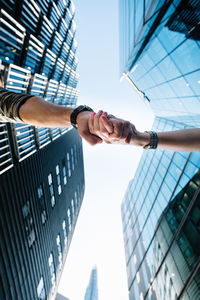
[[160, 214], [41, 169], [92, 289], [160, 52]]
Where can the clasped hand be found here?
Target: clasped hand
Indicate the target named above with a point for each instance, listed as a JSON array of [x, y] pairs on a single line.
[[110, 129]]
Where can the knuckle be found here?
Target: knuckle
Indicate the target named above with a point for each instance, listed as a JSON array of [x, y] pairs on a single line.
[[103, 130], [96, 116]]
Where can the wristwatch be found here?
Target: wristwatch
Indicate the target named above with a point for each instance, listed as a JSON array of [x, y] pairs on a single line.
[[75, 113], [153, 140]]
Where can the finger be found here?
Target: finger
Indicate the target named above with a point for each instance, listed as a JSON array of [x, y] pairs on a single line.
[[131, 133], [96, 122], [91, 122], [118, 130], [107, 142], [127, 140], [103, 131], [107, 123], [91, 138], [126, 129]]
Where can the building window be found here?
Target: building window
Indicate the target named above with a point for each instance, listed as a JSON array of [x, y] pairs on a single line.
[[58, 179], [138, 277], [76, 199], [59, 250], [51, 189], [75, 154], [69, 219], [64, 232], [64, 170], [135, 259], [79, 193], [72, 154], [170, 288], [28, 220], [187, 253], [52, 272], [41, 290], [68, 165], [42, 204], [73, 210]]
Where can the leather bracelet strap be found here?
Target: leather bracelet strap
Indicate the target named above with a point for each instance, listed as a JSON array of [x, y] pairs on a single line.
[[75, 113], [153, 140]]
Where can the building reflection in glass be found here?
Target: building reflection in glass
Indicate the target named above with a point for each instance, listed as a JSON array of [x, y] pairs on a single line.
[[162, 177], [177, 246], [160, 51]]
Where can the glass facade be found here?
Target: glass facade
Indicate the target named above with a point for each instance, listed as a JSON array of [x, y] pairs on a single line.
[[160, 50], [160, 215]]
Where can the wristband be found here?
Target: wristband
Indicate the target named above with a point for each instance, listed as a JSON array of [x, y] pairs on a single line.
[[153, 140], [75, 113]]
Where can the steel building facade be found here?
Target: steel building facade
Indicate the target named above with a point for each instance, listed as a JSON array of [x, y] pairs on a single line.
[[41, 169], [160, 52], [40, 200], [37, 52]]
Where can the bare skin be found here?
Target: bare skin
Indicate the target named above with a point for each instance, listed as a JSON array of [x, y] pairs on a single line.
[[114, 130], [38, 112]]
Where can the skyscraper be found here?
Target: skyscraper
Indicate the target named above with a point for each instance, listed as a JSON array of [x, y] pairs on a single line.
[[41, 169], [160, 212], [92, 289], [163, 192], [160, 59], [60, 297]]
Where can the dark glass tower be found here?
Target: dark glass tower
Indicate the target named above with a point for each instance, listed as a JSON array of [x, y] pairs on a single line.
[[160, 53], [41, 169], [92, 289]]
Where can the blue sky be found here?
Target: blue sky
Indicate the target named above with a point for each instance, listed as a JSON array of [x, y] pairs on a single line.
[[108, 168]]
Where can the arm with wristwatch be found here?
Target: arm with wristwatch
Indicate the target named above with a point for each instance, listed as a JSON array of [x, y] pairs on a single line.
[[33, 110], [36, 111], [114, 130], [94, 128]]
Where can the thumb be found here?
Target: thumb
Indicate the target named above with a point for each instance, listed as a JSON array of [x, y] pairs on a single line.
[[91, 138], [107, 124]]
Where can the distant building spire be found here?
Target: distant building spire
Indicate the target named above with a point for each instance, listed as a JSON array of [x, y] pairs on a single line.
[[92, 289]]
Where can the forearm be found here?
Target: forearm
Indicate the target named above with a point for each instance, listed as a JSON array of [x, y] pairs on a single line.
[[179, 140], [38, 112]]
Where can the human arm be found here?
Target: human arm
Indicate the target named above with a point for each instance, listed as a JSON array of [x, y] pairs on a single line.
[[178, 140], [109, 127], [36, 111], [112, 130]]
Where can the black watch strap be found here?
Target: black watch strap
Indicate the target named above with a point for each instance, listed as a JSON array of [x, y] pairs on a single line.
[[153, 140], [75, 113]]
